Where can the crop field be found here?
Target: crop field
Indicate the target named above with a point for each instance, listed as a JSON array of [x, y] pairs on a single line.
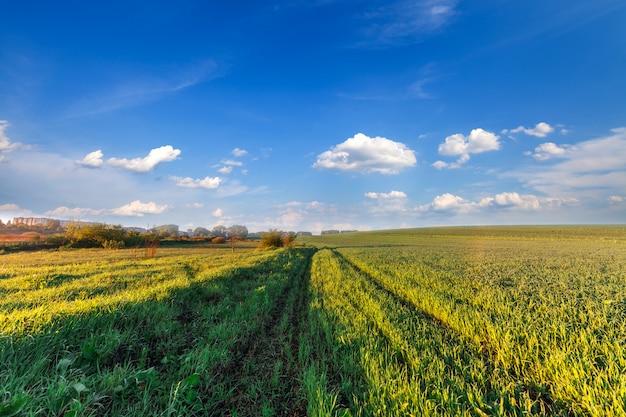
[[481, 321]]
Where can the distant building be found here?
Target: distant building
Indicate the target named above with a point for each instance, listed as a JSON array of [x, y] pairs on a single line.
[[31, 221], [330, 232], [304, 234]]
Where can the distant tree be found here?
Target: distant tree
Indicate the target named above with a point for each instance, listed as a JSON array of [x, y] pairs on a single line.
[[166, 230], [81, 235], [288, 238], [52, 224], [201, 231], [237, 232], [219, 231]]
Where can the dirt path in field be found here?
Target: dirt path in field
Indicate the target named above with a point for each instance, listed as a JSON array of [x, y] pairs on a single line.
[[264, 370]]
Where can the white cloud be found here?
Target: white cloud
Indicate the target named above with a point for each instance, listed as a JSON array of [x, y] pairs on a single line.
[[139, 209], [231, 162], [209, 183], [92, 159], [525, 201], [447, 202], [547, 151], [135, 209], [612, 199], [405, 21], [384, 196], [239, 152], [364, 154], [508, 200], [196, 205], [14, 208], [452, 165], [593, 167], [156, 156], [217, 212], [6, 145], [440, 164], [541, 130], [225, 170], [478, 141], [74, 213], [391, 202], [143, 88]]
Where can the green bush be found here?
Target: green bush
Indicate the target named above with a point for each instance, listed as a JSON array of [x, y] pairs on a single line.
[[271, 239], [113, 244]]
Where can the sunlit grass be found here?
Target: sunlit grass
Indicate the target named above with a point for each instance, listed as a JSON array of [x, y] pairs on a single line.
[[455, 321]]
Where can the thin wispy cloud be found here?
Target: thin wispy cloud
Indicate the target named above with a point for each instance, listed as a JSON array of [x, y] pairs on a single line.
[[406, 21], [144, 88], [590, 167], [133, 209], [6, 145], [390, 195]]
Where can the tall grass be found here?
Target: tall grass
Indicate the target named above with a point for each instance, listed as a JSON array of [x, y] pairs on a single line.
[[87, 336]]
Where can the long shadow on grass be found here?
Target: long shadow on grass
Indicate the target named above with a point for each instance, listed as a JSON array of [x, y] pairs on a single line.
[[224, 346]]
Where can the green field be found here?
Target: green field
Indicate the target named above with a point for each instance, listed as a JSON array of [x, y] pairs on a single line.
[[501, 321]]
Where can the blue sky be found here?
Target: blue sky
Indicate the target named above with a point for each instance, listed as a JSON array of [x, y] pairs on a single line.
[[314, 115]]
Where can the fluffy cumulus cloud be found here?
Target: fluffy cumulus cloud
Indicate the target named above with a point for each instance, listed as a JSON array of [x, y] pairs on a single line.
[[155, 157], [225, 170], [508, 200], [209, 183], [385, 196], [541, 130], [612, 199], [92, 159], [547, 151], [138, 209], [364, 154], [6, 145], [13, 208], [525, 202], [447, 202], [217, 212], [478, 141]]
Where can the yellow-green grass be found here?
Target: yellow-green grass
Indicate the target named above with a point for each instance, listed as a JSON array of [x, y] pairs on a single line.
[[472, 321], [95, 332], [503, 321]]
